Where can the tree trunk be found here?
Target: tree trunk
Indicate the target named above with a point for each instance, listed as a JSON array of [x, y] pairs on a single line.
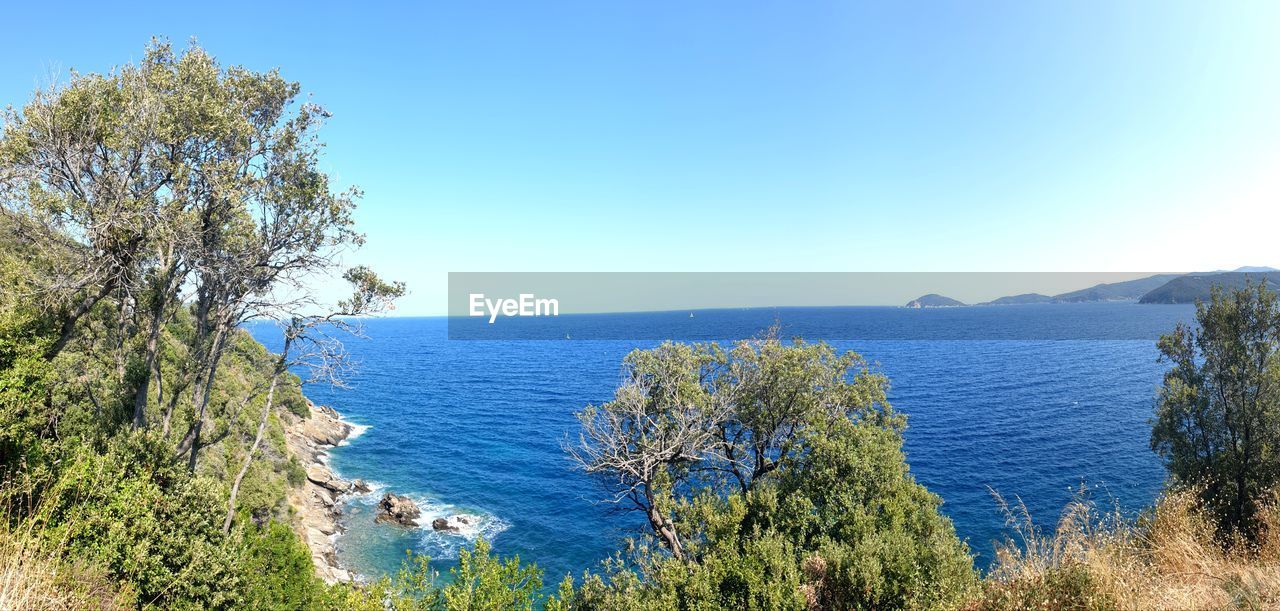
[[257, 440], [140, 397], [201, 391], [158, 307], [69, 322], [175, 395], [122, 335], [1244, 496], [663, 528]]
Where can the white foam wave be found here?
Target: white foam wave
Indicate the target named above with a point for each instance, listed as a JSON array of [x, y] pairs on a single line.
[[444, 544], [356, 430]]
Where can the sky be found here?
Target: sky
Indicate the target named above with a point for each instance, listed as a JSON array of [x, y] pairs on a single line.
[[755, 136]]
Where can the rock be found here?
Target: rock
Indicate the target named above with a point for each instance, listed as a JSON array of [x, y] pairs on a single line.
[[316, 501], [325, 427], [332, 436], [361, 487], [323, 477], [454, 523], [398, 509]]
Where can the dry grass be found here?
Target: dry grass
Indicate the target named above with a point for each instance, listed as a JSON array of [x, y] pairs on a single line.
[[36, 572], [32, 577], [1167, 559]]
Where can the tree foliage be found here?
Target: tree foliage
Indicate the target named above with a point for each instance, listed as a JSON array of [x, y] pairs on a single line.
[[1217, 420], [772, 477]]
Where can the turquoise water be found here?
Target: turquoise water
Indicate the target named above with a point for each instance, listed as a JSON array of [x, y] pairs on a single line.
[[476, 427]]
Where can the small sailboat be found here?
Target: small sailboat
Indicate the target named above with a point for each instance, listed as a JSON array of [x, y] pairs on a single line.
[[690, 314]]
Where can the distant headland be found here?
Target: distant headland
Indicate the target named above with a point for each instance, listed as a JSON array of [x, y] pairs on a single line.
[[1159, 288]]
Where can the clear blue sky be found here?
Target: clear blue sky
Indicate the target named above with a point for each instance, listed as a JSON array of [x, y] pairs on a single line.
[[762, 136]]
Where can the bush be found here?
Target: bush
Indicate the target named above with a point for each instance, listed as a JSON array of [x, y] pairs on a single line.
[[481, 581], [278, 571], [878, 535], [24, 379], [148, 523]]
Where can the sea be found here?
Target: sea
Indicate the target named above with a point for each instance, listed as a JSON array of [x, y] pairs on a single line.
[[1035, 402]]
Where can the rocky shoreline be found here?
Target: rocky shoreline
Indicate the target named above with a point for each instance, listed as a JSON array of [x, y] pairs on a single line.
[[317, 502]]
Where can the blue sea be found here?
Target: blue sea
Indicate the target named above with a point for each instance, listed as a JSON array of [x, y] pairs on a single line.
[[1031, 401]]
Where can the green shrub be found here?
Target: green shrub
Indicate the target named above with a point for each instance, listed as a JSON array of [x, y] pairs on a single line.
[[873, 537], [278, 571], [147, 523], [24, 380], [481, 581]]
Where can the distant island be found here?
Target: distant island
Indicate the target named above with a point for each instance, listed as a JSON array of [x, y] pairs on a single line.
[[934, 300], [1156, 289]]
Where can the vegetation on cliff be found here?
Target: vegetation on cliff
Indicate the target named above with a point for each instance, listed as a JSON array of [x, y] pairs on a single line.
[[146, 214]]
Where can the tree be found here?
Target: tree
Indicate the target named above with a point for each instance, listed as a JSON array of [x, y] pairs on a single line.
[[778, 391], [265, 216], [772, 477], [1217, 420], [145, 214], [660, 423], [89, 159], [174, 172]]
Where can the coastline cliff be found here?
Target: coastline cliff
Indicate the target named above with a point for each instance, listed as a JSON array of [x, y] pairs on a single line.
[[317, 502]]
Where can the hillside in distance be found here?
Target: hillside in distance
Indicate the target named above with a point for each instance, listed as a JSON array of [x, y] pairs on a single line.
[[934, 300], [1116, 291], [1022, 299], [1158, 288], [1129, 290], [1199, 287]]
